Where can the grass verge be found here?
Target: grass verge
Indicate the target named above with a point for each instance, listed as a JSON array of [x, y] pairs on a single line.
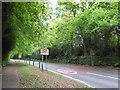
[[33, 77]]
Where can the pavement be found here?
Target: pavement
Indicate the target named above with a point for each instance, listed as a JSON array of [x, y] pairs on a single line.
[[95, 77], [0, 78], [10, 76]]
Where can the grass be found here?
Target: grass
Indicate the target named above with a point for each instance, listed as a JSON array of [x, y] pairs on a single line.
[[33, 77]]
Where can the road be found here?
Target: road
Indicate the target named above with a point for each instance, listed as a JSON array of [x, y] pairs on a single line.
[[95, 77]]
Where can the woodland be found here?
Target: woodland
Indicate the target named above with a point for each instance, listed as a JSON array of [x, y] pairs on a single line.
[[86, 33]]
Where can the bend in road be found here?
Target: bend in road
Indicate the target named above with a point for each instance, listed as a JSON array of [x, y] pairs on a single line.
[[95, 77]]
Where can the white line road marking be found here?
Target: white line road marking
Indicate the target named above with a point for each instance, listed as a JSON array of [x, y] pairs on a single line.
[[71, 78], [66, 71], [101, 75], [81, 80]]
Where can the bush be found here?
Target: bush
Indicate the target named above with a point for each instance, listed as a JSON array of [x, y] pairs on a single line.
[[88, 60], [117, 64], [4, 63]]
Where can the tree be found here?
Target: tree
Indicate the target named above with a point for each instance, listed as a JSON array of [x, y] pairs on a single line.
[[26, 22]]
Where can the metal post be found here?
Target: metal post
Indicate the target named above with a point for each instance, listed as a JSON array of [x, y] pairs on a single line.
[[39, 63], [29, 60], [33, 62], [46, 62], [33, 58], [42, 62]]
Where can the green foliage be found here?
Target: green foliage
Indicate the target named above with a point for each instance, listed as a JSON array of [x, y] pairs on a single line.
[[75, 29], [29, 22], [91, 29], [4, 63], [117, 64]]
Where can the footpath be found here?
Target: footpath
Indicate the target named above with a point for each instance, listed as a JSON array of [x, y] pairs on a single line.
[[10, 76]]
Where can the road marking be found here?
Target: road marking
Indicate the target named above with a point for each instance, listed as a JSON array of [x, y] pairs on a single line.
[[66, 71], [101, 75], [71, 78]]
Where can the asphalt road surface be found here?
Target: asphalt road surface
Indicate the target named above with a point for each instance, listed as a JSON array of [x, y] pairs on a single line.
[[95, 77]]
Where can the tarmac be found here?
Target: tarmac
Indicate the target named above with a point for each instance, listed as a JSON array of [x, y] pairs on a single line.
[[10, 76]]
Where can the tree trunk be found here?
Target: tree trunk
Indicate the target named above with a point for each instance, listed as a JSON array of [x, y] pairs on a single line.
[[106, 38], [85, 51], [85, 47], [71, 43], [118, 45]]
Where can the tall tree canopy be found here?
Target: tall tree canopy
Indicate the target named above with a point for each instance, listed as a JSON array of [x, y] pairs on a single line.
[[74, 29], [24, 24]]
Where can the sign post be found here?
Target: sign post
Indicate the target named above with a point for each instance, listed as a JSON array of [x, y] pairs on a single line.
[[29, 58], [42, 62], [39, 62], [46, 62], [44, 51], [33, 62]]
